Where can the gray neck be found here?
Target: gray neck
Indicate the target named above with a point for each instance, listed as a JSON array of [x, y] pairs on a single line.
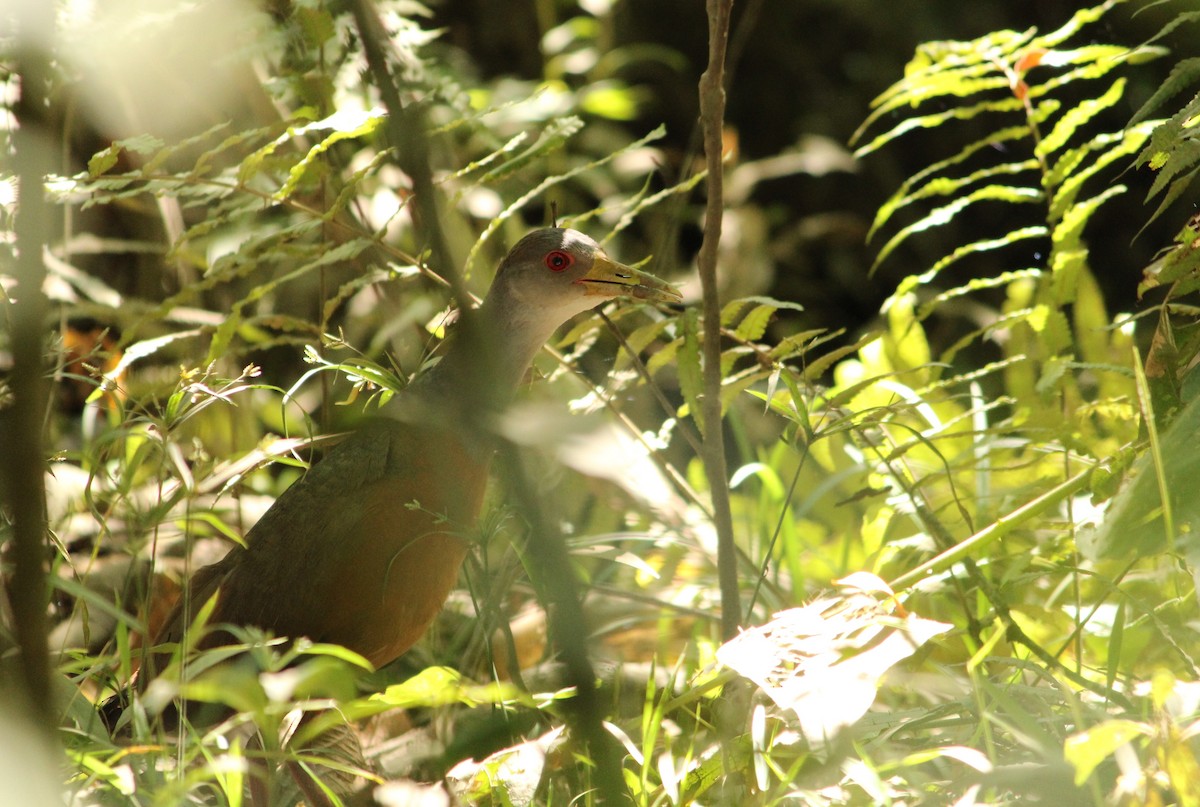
[[485, 361]]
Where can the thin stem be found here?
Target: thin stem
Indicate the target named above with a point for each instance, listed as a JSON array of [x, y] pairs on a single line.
[[712, 116]]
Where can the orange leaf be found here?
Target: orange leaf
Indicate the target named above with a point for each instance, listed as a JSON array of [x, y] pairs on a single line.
[[1029, 59]]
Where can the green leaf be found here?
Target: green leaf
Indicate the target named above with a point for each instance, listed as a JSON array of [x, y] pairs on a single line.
[[794, 345], [691, 378], [978, 284], [905, 194], [958, 82], [498, 221], [752, 315], [1081, 18], [102, 161], [1183, 75], [509, 147], [817, 367], [936, 119], [912, 282], [946, 213], [344, 126], [1064, 195], [1183, 157], [1077, 116], [1087, 749], [1067, 237], [552, 138], [1133, 526]]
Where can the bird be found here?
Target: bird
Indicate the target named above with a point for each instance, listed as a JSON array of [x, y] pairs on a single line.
[[364, 549]]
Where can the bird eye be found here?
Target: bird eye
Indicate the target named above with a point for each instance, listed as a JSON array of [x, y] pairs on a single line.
[[558, 260]]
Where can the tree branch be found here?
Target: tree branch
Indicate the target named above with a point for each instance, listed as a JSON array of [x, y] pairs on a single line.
[[712, 116]]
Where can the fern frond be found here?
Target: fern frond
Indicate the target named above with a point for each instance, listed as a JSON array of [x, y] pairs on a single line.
[[975, 285], [946, 213], [1183, 75], [1081, 18], [1077, 116], [1182, 157], [961, 83], [932, 121], [898, 199], [913, 282], [1127, 143], [949, 186]]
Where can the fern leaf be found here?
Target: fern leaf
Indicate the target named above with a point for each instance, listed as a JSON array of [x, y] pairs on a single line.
[[948, 186], [691, 382], [912, 282], [664, 355], [491, 157], [936, 119], [1077, 116], [901, 196], [734, 386], [1180, 19], [816, 368], [552, 138], [342, 252], [1177, 189], [1081, 18], [962, 83], [1182, 158], [794, 345], [1130, 141], [977, 284], [187, 144], [1089, 70], [946, 213], [1183, 75], [345, 127], [1086, 56], [1182, 260], [1069, 232], [200, 168], [549, 182], [1069, 255]]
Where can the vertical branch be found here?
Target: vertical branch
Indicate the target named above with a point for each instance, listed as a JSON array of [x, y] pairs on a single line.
[[552, 573], [23, 470], [408, 138], [712, 116], [550, 562]]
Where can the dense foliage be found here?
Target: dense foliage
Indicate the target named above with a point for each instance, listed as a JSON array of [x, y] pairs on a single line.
[[964, 518]]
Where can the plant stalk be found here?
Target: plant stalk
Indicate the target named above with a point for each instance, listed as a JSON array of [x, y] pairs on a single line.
[[712, 117]]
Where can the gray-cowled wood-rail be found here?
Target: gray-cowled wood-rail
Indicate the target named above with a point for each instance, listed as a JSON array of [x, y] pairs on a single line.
[[364, 549]]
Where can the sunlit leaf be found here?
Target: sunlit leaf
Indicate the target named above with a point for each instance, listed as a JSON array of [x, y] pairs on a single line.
[[824, 661], [1087, 749]]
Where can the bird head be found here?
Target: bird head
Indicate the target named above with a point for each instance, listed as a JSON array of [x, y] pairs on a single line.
[[554, 273], [550, 275]]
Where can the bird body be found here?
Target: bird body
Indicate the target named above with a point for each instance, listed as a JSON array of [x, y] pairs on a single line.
[[363, 550]]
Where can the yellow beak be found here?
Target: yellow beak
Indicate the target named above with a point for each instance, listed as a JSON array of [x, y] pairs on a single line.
[[607, 278]]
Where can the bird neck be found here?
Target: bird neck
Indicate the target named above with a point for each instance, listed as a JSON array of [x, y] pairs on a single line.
[[486, 360]]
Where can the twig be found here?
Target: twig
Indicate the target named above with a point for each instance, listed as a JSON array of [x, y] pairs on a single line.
[[405, 127], [712, 116]]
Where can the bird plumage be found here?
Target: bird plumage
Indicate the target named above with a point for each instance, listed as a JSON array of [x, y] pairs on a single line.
[[364, 549]]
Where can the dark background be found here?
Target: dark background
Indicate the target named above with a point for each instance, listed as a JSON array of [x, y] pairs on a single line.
[[813, 68]]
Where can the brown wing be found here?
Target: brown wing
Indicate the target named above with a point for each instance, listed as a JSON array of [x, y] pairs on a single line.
[[362, 551]]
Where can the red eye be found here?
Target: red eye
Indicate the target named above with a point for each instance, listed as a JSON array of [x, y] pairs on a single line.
[[558, 260]]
